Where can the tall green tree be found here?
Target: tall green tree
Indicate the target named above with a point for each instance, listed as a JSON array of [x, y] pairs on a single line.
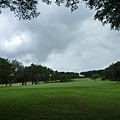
[[113, 71], [5, 71], [18, 71]]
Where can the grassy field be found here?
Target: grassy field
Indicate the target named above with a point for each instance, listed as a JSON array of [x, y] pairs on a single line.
[[80, 99]]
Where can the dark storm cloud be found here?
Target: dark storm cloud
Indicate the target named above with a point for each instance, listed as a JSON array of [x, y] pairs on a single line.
[[59, 39]]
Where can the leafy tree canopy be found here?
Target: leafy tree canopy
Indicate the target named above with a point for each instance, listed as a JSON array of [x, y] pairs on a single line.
[[107, 11], [5, 70], [24, 9]]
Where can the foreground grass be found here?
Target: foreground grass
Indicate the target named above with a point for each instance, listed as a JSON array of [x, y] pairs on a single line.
[[80, 99]]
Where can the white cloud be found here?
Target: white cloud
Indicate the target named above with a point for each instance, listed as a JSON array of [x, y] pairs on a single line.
[[59, 39], [92, 48]]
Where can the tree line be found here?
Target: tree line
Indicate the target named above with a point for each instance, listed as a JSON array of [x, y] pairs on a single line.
[[112, 73], [15, 72]]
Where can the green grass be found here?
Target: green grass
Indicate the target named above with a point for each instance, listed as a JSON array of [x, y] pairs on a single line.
[[80, 99]]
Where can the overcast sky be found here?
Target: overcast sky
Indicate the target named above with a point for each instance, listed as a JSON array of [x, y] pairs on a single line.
[[59, 39]]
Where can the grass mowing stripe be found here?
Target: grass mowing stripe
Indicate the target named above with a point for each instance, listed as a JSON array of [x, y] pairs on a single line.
[[81, 99]]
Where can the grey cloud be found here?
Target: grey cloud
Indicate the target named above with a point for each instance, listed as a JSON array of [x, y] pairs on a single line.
[[59, 39]]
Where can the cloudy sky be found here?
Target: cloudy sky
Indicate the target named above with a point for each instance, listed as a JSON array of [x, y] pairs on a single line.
[[59, 39]]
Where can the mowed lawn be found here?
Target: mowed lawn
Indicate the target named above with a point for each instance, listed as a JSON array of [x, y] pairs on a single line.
[[80, 99]]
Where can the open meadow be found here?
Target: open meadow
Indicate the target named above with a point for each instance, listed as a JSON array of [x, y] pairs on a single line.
[[79, 99]]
